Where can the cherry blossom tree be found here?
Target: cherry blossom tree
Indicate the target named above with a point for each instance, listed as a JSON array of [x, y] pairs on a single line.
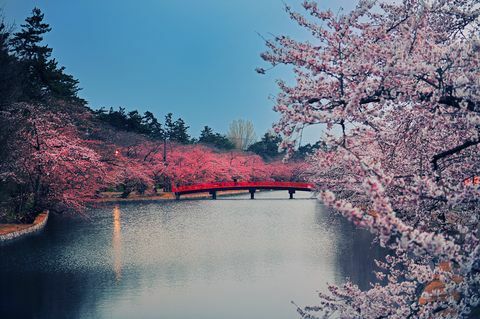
[[52, 167], [401, 82], [61, 160]]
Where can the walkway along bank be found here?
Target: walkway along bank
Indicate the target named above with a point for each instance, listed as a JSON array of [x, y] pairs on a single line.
[[12, 231]]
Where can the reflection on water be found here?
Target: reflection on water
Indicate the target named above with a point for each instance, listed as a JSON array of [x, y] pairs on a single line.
[[117, 243], [228, 258]]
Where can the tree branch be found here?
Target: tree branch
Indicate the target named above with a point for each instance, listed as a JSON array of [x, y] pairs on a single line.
[[452, 151]]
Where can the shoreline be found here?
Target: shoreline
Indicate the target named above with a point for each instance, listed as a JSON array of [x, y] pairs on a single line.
[[165, 197], [13, 231]]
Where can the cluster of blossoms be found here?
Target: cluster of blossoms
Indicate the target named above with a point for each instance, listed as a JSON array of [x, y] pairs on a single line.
[[144, 165], [401, 81], [59, 160], [47, 164]]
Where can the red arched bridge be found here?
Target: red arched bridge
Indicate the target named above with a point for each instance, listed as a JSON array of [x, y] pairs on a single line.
[[213, 188]]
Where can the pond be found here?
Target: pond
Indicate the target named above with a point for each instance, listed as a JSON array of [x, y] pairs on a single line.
[[229, 258]]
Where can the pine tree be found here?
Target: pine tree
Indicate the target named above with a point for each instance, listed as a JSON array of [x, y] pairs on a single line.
[[153, 126], [267, 147], [169, 126], [43, 77], [207, 136], [26, 43], [9, 70], [180, 132]]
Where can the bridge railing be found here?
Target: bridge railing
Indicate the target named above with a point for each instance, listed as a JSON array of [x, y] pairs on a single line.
[[243, 185]]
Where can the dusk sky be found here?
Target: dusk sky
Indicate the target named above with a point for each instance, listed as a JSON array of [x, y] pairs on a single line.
[[193, 58]]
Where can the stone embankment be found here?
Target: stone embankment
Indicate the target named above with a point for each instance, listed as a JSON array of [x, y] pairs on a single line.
[[12, 231]]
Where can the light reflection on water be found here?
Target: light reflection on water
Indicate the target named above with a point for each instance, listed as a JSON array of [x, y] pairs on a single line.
[[117, 243], [230, 258]]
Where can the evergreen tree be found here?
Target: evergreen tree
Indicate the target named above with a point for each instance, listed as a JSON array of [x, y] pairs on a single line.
[[180, 134], [43, 77], [267, 147], [169, 126], [9, 70], [26, 43], [117, 119], [309, 149], [207, 136], [134, 122], [153, 126], [176, 130]]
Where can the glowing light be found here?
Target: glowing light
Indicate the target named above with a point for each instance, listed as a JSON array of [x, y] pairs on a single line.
[[117, 244], [475, 180]]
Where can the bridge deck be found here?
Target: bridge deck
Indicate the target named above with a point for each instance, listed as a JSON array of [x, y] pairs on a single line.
[[213, 187]]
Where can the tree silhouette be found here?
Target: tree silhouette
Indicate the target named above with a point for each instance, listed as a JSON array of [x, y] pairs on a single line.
[[207, 136], [267, 147], [43, 77]]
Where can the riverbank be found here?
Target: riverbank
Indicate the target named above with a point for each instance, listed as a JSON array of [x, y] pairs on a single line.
[[12, 231], [113, 197]]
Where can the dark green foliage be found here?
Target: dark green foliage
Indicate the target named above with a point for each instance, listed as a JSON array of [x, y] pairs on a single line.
[[179, 133], [153, 126], [267, 147], [132, 121], [309, 149], [41, 77], [117, 119], [169, 126], [26, 43], [176, 130], [147, 124], [9, 70], [208, 137]]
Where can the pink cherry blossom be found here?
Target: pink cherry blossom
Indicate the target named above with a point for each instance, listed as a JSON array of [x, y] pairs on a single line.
[[395, 86]]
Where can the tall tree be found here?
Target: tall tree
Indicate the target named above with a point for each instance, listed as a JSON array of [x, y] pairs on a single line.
[[180, 133], [10, 76], [404, 76], [176, 130], [154, 127], [44, 78], [135, 122], [241, 133], [267, 147], [207, 136], [307, 150], [169, 126]]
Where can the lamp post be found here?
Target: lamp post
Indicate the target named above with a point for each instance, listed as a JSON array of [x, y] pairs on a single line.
[[167, 185], [165, 151]]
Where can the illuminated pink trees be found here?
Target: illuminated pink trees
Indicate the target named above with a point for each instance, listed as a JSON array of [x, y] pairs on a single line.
[[51, 166], [143, 166], [57, 158], [401, 83]]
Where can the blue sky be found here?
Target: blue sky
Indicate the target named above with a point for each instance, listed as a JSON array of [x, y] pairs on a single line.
[[195, 58]]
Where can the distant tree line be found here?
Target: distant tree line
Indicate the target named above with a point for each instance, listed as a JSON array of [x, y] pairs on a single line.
[[171, 129], [177, 131], [269, 148]]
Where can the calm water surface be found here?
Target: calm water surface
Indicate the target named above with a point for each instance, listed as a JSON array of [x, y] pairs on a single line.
[[230, 258]]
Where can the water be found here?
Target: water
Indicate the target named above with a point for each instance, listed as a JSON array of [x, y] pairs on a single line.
[[230, 258]]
